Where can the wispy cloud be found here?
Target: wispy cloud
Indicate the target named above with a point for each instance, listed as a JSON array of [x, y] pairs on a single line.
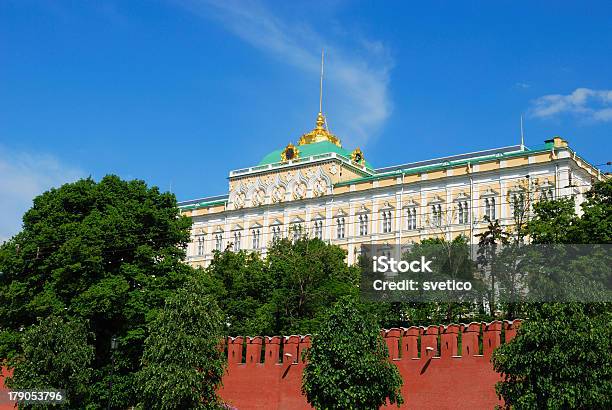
[[24, 176], [588, 104], [358, 75]]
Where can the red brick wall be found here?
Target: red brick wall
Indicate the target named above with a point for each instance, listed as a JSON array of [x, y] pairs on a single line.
[[438, 371]]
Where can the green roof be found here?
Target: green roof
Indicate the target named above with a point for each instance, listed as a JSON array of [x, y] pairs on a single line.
[[309, 150], [448, 164]]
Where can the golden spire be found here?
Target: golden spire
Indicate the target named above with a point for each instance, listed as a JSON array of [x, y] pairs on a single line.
[[320, 132]]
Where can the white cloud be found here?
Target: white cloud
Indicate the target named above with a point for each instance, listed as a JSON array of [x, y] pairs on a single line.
[[22, 177], [594, 105], [357, 76]]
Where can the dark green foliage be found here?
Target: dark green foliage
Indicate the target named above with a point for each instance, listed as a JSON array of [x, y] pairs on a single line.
[[451, 261], [554, 222], [557, 222], [348, 365], [183, 360], [108, 252], [241, 285], [55, 355], [560, 357], [287, 293]]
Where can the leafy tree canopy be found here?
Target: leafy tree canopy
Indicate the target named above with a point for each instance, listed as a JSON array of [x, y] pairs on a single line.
[[56, 354], [109, 252], [348, 365], [183, 362], [560, 357], [285, 293]]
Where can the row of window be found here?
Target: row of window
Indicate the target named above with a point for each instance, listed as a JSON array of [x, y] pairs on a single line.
[[436, 220]]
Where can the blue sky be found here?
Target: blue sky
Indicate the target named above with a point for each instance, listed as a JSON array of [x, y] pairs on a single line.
[[179, 92]]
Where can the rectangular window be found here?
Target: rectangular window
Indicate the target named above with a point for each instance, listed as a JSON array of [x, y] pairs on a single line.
[[256, 236], [411, 218], [276, 232], [237, 238], [219, 242], [463, 214], [200, 248], [318, 229], [363, 225], [386, 221], [340, 226], [436, 215], [489, 205]]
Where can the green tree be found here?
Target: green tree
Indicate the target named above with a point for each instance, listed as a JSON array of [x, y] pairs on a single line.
[[241, 284], [109, 252], [348, 364], [183, 362], [285, 293], [56, 354], [554, 222], [560, 357], [595, 224]]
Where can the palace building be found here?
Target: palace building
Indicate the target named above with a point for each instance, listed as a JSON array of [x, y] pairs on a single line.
[[321, 189]]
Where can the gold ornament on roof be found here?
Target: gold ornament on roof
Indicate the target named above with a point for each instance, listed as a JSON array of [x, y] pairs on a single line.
[[357, 156], [290, 153], [319, 134]]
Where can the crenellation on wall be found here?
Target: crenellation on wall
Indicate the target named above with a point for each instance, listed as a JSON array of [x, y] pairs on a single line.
[[470, 340], [429, 342], [411, 343], [449, 344], [491, 338]]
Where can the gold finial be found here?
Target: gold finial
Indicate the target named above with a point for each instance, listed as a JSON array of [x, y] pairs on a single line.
[[319, 134]]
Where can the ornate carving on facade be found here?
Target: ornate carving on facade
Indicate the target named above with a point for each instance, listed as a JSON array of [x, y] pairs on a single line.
[[320, 187], [300, 190], [278, 193], [239, 200], [259, 197]]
